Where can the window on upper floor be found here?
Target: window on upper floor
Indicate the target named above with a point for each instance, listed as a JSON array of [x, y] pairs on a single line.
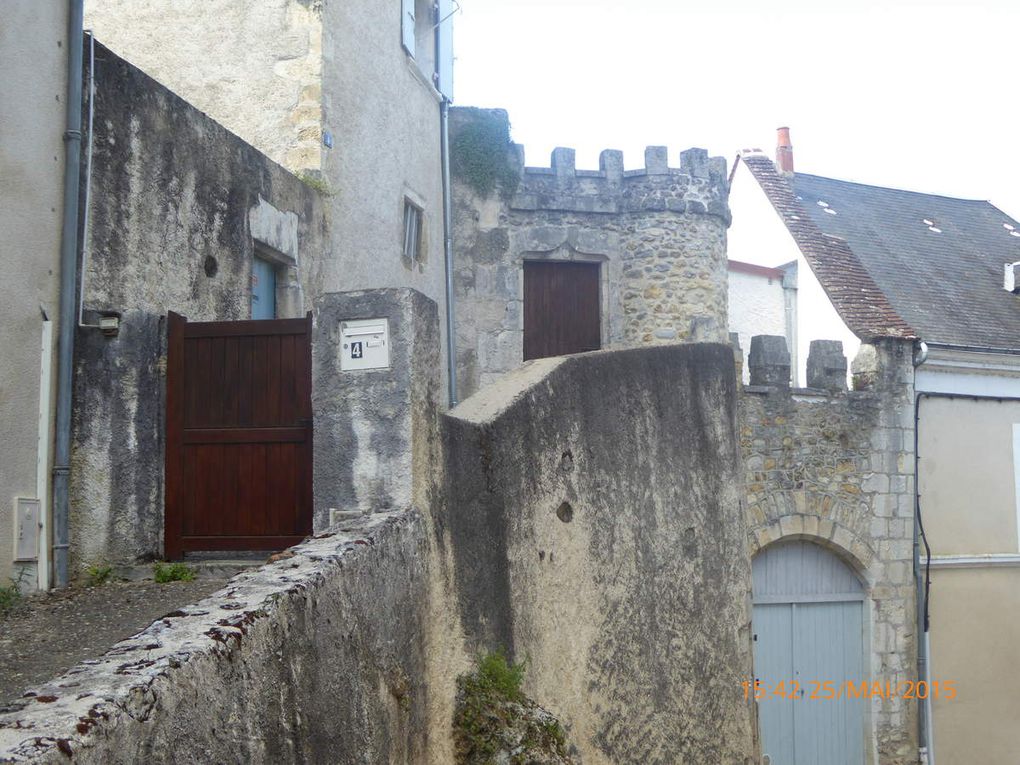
[[426, 32], [412, 232]]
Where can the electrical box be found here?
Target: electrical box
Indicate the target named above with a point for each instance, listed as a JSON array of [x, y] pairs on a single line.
[[364, 344], [27, 528]]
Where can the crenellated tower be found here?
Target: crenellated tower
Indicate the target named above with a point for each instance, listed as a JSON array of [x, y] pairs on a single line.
[[652, 238]]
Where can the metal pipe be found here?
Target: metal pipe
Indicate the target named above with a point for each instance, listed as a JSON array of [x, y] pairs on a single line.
[[88, 183], [451, 349], [68, 280]]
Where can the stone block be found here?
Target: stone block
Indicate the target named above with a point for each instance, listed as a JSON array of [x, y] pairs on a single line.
[[656, 160], [563, 162], [826, 365], [769, 361], [611, 163]]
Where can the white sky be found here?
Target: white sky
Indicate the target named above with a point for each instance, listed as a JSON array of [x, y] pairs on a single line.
[[920, 95]]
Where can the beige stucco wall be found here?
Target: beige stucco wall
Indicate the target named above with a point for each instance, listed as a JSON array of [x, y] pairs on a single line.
[[966, 474], [966, 477], [254, 67], [975, 634], [33, 45]]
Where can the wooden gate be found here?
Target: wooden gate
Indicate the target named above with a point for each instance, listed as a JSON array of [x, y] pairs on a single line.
[[561, 308], [238, 435]]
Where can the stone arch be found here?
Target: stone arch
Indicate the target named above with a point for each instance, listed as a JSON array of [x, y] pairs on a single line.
[[832, 535]]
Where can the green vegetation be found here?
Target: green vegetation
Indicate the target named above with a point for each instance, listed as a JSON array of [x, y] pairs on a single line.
[[10, 599], [481, 155], [173, 572], [99, 574], [493, 716], [317, 182]]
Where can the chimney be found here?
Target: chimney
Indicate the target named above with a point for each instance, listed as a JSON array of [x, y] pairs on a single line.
[[784, 151]]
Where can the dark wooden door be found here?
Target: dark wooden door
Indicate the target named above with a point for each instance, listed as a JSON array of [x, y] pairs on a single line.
[[238, 435], [561, 308]]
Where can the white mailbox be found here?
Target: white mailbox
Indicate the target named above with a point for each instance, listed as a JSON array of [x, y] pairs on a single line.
[[364, 344]]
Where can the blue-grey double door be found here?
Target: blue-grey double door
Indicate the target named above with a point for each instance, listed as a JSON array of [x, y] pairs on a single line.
[[809, 642]]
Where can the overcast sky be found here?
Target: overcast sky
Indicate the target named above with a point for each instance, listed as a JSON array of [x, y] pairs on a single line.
[[913, 94]]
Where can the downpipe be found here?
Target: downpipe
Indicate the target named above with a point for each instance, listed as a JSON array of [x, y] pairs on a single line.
[[451, 350], [68, 280]]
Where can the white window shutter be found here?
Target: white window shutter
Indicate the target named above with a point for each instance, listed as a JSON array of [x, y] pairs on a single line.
[[407, 25], [444, 54]]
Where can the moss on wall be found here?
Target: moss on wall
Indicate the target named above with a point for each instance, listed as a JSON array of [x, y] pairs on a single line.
[[481, 154]]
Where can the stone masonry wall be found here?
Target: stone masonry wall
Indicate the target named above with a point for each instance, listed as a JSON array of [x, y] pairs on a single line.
[[836, 468], [320, 657], [658, 234]]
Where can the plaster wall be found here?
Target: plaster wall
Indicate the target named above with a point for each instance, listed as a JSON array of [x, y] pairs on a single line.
[[974, 630], [759, 236], [967, 479], [757, 306], [379, 104], [33, 52], [601, 535], [256, 68], [175, 204], [967, 475], [838, 470]]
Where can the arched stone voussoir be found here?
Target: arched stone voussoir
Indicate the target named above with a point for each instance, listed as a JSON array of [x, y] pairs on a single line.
[[830, 534]]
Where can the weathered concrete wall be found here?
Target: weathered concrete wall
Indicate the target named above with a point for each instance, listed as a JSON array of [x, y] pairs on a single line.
[[175, 205], [658, 233], [317, 658], [594, 519], [374, 427], [837, 469], [33, 52]]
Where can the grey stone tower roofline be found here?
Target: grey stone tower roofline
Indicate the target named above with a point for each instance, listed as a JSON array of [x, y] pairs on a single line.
[[698, 186]]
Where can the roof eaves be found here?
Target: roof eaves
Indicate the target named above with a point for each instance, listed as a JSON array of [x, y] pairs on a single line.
[[854, 294]]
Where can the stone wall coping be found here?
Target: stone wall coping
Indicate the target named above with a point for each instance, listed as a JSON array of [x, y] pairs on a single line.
[[70, 714]]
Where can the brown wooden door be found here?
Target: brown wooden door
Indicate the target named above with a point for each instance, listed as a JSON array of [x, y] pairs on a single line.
[[561, 308], [238, 435]]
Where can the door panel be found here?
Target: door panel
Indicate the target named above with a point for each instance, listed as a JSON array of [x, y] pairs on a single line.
[[561, 308], [773, 663], [829, 643], [239, 435]]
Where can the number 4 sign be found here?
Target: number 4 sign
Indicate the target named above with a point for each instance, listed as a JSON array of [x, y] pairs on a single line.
[[356, 350]]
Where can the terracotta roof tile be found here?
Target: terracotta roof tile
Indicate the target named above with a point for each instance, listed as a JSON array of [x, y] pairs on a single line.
[[854, 294]]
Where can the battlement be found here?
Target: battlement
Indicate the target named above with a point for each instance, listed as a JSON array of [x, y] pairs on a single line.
[[698, 186]]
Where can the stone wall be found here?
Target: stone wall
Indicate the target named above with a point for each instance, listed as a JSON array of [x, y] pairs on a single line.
[[594, 524], [374, 427], [320, 657], [176, 208], [658, 233], [837, 468]]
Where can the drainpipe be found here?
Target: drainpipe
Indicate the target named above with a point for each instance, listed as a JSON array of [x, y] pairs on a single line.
[[451, 350], [68, 279], [922, 581]]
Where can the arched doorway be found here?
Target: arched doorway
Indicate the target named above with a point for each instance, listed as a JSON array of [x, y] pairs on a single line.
[[808, 625]]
